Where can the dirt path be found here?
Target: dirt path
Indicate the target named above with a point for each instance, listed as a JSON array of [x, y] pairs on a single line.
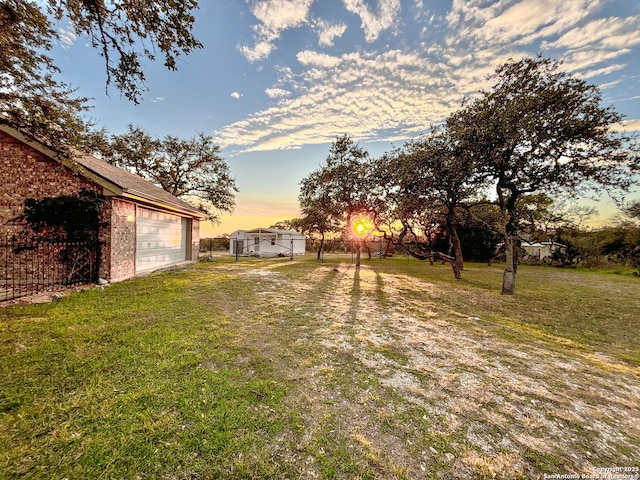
[[398, 385]]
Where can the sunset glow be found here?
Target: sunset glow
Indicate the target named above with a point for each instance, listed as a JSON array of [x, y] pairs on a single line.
[[362, 226]]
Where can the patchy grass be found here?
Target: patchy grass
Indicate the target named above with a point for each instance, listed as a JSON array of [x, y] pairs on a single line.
[[281, 369]]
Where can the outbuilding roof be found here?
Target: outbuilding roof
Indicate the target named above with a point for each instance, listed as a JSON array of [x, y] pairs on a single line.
[[272, 230]]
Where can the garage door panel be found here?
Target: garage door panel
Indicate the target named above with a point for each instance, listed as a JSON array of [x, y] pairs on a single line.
[[161, 240]]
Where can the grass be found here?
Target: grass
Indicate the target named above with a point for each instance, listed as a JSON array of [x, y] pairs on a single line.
[[280, 369]]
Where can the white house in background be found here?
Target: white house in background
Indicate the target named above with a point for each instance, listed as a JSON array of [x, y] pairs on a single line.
[[540, 250], [267, 242]]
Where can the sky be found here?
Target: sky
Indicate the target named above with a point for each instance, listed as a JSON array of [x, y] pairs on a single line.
[[278, 80]]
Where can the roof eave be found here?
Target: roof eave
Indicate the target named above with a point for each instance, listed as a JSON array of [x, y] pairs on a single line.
[[164, 206]]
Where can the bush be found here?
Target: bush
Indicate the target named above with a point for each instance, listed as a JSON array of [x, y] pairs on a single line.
[[219, 244]]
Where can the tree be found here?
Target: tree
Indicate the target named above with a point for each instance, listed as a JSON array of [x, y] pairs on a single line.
[[31, 98], [338, 191], [447, 181], [477, 231], [632, 210], [423, 187], [540, 129], [191, 169], [125, 32], [286, 224]]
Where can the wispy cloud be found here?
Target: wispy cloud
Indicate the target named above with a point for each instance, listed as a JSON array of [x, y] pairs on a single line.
[[629, 126], [374, 23], [277, 92], [315, 59], [363, 94], [274, 16], [236, 95], [327, 31], [514, 21], [67, 36], [399, 93]]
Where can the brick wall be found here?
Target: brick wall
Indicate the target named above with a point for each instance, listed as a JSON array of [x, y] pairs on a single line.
[[122, 251], [27, 173], [195, 239]]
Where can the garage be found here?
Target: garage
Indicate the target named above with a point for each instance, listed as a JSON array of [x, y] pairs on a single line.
[[161, 239]]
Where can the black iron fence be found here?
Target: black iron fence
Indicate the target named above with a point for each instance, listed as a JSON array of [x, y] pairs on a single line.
[[33, 266]]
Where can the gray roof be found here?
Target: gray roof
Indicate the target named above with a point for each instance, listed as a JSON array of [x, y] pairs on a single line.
[[132, 184]]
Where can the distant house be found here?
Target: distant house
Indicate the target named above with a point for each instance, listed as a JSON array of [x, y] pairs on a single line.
[[267, 242], [145, 227], [540, 250]]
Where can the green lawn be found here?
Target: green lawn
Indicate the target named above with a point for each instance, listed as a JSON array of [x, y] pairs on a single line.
[[301, 369]]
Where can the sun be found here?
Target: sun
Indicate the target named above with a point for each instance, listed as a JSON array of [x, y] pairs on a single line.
[[362, 226]]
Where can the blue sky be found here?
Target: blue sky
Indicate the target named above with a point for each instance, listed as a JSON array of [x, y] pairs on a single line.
[[278, 80]]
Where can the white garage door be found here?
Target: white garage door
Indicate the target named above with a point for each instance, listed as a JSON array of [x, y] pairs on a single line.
[[161, 239]]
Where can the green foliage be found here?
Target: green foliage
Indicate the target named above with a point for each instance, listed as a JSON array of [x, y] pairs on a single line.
[[624, 246], [633, 210], [618, 245], [31, 97], [220, 244], [333, 194], [539, 129], [125, 33], [189, 169], [337, 190], [479, 243], [73, 217]]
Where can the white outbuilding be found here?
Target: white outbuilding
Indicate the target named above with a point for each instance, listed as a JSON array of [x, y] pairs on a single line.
[[541, 250], [267, 242]]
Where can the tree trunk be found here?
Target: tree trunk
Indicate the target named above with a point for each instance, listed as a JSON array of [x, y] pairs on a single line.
[[386, 250], [455, 240], [509, 276], [321, 246], [508, 205], [358, 250], [457, 247]]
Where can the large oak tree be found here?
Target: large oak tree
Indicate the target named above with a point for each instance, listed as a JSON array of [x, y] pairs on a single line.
[[539, 129], [191, 169], [338, 190]]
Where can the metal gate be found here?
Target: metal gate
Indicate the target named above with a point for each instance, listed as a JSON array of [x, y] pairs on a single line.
[[33, 266]]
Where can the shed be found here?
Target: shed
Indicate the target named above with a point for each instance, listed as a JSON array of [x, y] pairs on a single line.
[[541, 250], [146, 227], [267, 242]]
